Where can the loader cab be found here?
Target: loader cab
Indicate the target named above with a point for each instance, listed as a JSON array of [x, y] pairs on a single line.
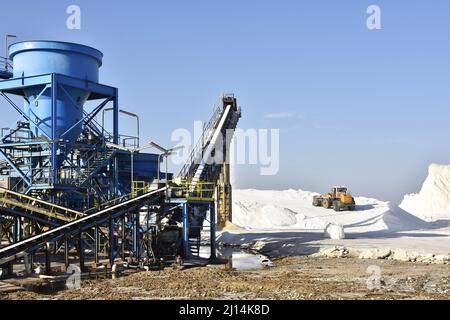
[[337, 190]]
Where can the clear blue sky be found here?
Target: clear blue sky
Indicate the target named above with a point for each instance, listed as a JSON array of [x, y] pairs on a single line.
[[368, 109]]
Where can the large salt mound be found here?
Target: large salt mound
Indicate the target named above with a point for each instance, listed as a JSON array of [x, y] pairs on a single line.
[[253, 215], [432, 203], [292, 209]]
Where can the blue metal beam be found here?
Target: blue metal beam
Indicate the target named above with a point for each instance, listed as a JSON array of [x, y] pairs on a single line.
[[185, 237], [20, 83], [22, 113], [22, 144], [54, 156], [100, 90], [136, 240], [20, 172], [116, 140], [116, 118], [88, 116]]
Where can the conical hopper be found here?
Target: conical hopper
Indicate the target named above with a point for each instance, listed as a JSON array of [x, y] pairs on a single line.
[[31, 58]]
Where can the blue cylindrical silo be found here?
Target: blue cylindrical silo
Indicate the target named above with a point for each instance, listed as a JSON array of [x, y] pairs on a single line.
[[31, 58]]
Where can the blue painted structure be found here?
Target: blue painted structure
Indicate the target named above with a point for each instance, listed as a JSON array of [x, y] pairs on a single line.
[[62, 155], [66, 145], [34, 58], [145, 166], [58, 149]]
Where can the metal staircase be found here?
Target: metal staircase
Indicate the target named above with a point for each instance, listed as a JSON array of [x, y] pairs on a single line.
[[98, 161], [194, 246]]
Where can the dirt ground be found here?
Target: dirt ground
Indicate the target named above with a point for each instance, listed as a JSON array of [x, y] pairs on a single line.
[[288, 278]]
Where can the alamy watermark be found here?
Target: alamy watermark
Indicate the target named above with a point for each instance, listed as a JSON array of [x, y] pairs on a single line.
[[73, 282], [73, 21], [374, 281], [236, 147], [374, 19]]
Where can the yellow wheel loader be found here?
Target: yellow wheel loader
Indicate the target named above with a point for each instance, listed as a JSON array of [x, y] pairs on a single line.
[[339, 199]]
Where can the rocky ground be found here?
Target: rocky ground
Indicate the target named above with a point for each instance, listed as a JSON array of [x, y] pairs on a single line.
[[297, 277]]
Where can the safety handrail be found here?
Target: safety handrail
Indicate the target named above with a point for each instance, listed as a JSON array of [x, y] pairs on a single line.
[[138, 188], [202, 190], [198, 147], [108, 203]]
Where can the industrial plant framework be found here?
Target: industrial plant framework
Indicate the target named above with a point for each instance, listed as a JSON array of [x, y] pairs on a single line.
[[70, 191]]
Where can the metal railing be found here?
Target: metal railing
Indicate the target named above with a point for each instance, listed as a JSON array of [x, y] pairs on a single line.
[[202, 190], [199, 146], [137, 188]]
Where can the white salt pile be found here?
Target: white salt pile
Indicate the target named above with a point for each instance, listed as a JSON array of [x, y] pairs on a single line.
[[293, 210], [254, 215], [335, 231], [432, 203]]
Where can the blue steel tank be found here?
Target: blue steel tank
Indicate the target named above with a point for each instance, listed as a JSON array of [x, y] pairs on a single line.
[[31, 58]]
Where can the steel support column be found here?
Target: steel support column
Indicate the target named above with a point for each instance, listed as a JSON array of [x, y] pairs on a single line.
[[16, 230], [185, 218], [81, 251], [54, 143], [31, 260], [96, 244], [212, 229], [66, 252], [136, 226], [116, 140], [111, 241], [10, 269], [122, 245], [48, 260]]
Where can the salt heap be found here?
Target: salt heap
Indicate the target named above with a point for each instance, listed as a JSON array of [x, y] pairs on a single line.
[[335, 231], [293, 210], [254, 215], [432, 203]]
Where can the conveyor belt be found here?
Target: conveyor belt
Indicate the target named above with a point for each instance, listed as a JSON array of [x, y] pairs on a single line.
[[11, 200], [200, 165], [79, 225]]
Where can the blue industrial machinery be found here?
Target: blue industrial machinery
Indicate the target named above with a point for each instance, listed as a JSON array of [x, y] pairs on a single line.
[[57, 149], [65, 187]]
